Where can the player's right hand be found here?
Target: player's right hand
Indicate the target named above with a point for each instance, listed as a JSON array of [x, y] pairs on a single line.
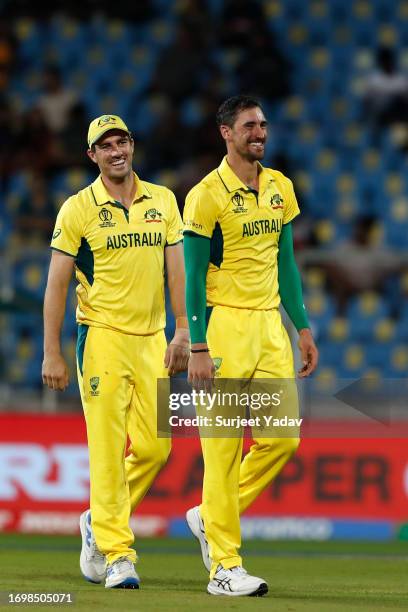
[[201, 371], [55, 372]]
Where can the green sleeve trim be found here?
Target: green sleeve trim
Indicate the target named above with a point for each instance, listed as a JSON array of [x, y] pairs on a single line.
[[63, 252], [170, 244], [290, 285], [197, 258]]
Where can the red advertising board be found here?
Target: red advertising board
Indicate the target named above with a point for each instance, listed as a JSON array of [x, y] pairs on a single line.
[[44, 477]]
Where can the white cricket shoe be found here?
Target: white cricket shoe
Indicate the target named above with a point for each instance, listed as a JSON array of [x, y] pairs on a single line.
[[121, 574], [92, 562], [195, 522], [236, 581]]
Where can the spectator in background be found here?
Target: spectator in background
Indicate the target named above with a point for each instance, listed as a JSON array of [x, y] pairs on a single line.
[[196, 19], [179, 72], [385, 96], [70, 146], [165, 148], [263, 70], [360, 264], [7, 139], [57, 101], [204, 139], [35, 213], [241, 19], [8, 51], [36, 145]]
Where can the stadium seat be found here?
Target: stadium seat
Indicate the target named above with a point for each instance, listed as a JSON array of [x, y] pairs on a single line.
[[353, 362], [364, 312]]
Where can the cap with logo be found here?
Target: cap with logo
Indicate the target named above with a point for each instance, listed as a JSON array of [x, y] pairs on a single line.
[[99, 126]]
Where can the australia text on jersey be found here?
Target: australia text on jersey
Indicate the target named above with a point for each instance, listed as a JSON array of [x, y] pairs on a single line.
[[261, 226], [134, 239]]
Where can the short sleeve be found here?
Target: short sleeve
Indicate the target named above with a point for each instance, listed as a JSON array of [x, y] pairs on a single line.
[[200, 213], [291, 206], [175, 228], [67, 233]]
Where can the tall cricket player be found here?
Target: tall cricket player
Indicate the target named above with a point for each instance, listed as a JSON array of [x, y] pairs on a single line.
[[240, 264], [119, 233]]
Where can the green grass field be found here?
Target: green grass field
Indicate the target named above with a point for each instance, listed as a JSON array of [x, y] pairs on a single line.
[[327, 576]]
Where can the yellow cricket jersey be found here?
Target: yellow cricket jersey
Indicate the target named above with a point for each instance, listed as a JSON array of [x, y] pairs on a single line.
[[119, 254], [244, 228]]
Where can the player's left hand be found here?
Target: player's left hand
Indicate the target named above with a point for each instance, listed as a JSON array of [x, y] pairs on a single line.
[[178, 352], [308, 352]]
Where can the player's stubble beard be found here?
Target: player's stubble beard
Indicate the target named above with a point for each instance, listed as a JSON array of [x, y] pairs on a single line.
[[245, 152], [118, 175], [252, 156]]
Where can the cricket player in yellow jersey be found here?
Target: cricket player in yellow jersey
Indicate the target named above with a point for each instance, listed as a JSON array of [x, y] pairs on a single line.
[[119, 233], [239, 259]]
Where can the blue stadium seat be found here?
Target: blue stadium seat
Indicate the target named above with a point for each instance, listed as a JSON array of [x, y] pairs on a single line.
[[364, 312], [353, 361]]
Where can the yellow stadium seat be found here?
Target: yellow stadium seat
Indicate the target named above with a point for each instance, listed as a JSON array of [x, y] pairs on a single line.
[[346, 183], [362, 9], [384, 330], [339, 329], [298, 34], [273, 8], [325, 379], [399, 210], [354, 356], [399, 358], [371, 160], [394, 184], [325, 231]]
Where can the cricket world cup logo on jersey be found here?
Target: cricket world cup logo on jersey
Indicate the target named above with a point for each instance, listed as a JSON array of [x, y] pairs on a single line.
[[94, 382], [238, 203], [105, 216]]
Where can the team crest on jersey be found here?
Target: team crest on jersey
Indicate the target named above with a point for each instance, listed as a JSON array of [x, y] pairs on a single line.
[[105, 216], [94, 382], [217, 361], [238, 202], [152, 216], [276, 201]]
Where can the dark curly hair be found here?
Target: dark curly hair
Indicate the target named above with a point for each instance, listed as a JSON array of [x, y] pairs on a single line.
[[228, 111]]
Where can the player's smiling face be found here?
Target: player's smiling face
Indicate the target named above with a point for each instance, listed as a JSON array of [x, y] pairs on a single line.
[[248, 135], [113, 153]]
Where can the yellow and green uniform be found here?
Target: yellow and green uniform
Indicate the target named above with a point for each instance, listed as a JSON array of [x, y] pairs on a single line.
[[238, 231], [244, 229], [119, 255], [119, 265]]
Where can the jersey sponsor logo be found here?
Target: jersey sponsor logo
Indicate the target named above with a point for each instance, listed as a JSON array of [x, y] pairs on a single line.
[[277, 201], [238, 203], [123, 241], [152, 216], [193, 224], [105, 216], [56, 233], [262, 226], [94, 382]]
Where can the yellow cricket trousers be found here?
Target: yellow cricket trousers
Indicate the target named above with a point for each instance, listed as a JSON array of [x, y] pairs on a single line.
[[248, 344], [117, 375]]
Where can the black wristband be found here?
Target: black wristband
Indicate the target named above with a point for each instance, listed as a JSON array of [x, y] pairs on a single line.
[[200, 350]]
